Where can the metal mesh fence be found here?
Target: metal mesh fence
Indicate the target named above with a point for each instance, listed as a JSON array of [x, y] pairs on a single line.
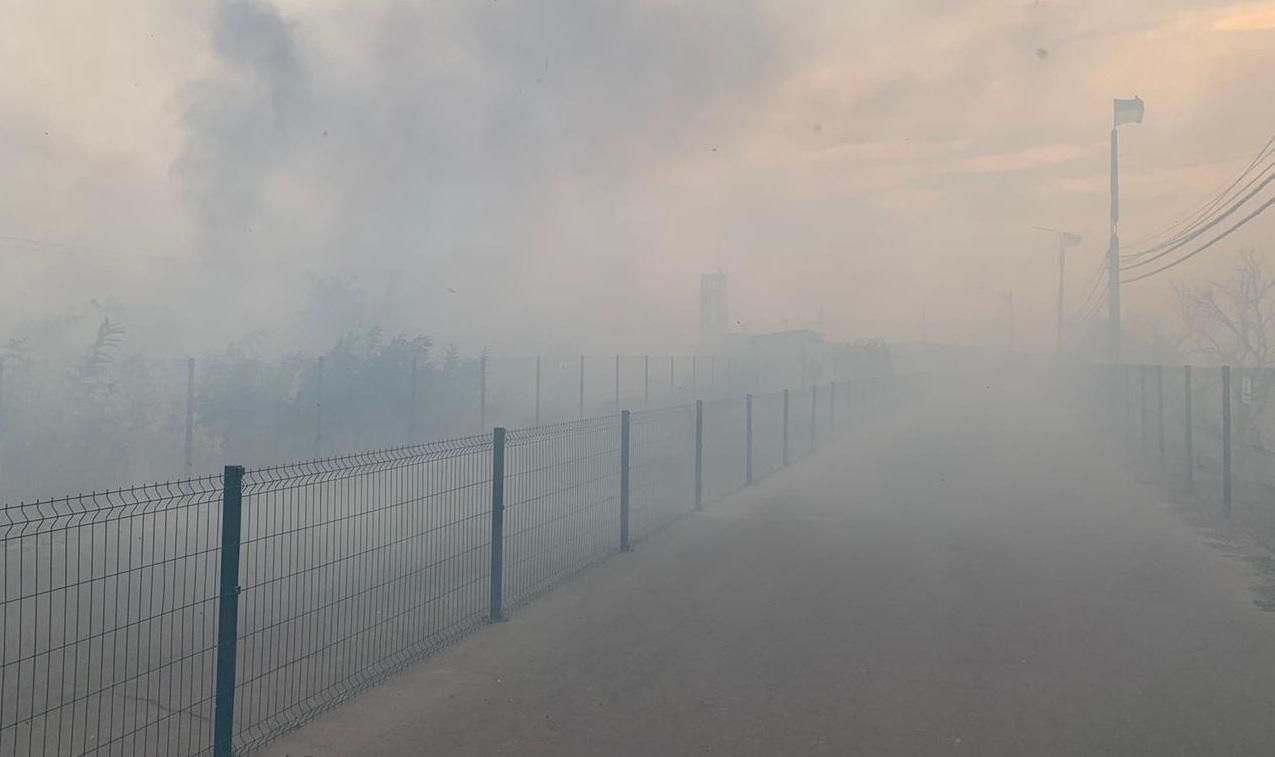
[[662, 465], [769, 433], [348, 568], [1171, 424], [562, 488], [353, 567], [70, 424], [725, 447], [802, 419], [108, 604]]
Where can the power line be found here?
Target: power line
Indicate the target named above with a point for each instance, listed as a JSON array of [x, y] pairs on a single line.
[[1206, 245], [1097, 292], [1198, 232], [1186, 223]]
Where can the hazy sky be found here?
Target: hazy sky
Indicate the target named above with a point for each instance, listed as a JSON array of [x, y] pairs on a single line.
[[569, 168]]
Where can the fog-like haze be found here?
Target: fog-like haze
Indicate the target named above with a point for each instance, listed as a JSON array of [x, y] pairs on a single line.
[[555, 175]]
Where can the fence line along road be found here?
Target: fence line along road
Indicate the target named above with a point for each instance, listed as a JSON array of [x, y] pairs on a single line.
[[67, 425], [1196, 431], [210, 615]]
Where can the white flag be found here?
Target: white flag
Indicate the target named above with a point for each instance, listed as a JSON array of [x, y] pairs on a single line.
[[1130, 111]]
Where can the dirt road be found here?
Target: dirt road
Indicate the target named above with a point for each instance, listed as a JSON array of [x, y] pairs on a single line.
[[969, 585]]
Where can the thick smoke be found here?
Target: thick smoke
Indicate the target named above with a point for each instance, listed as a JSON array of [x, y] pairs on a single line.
[[462, 161]]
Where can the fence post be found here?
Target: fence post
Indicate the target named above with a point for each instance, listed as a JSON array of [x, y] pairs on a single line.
[[646, 381], [582, 386], [694, 375], [748, 440], [497, 525], [318, 411], [190, 416], [228, 611], [1226, 441], [624, 481], [832, 409], [1159, 413], [699, 454], [537, 390], [1190, 453], [785, 428]]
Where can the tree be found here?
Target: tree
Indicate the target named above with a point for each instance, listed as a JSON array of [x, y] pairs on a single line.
[[1233, 323]]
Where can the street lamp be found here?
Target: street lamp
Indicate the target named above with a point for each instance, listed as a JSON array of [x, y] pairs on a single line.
[[1125, 112], [1065, 239]]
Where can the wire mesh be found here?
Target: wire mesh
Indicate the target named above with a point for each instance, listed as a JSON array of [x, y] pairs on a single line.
[[768, 434], [802, 413], [725, 447], [562, 489], [352, 568], [662, 468], [108, 605]]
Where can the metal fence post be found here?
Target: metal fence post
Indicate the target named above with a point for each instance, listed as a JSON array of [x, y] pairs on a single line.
[[1159, 412], [537, 390], [582, 386], [624, 481], [748, 440], [1226, 441], [318, 411], [646, 381], [699, 454], [190, 416], [832, 409], [785, 458], [1189, 452], [497, 525], [228, 612]]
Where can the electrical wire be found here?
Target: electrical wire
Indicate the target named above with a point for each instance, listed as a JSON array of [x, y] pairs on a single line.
[[1097, 294], [1204, 246], [1214, 222], [1190, 219]]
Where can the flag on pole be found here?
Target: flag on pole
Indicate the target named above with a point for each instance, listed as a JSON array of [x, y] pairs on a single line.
[[1130, 111]]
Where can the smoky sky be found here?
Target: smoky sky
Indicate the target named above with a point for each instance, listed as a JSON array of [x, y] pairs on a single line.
[[555, 175], [447, 140]]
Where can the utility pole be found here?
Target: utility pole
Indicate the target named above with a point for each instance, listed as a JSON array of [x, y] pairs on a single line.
[[1124, 112], [1113, 256], [1065, 240]]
